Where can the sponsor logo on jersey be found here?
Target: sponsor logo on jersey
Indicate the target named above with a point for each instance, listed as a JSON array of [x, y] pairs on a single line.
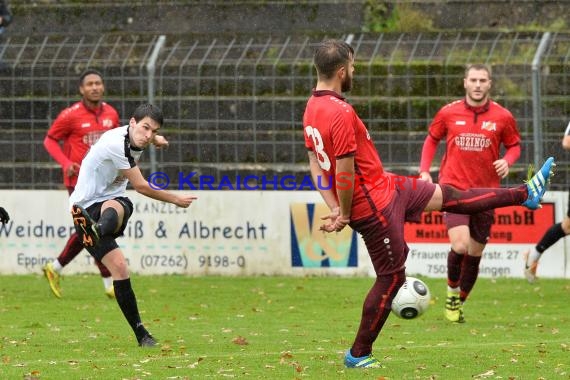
[[489, 126], [91, 137], [107, 123], [85, 125], [460, 122], [472, 142]]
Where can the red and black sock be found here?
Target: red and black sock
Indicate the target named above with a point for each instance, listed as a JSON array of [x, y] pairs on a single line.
[[454, 261], [103, 269], [72, 248], [473, 201], [375, 311], [469, 274]]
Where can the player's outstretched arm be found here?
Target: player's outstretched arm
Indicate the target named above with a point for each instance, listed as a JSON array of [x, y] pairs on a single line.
[[140, 184], [160, 141]]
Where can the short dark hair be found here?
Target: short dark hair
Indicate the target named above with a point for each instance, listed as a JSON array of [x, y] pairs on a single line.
[[86, 72], [149, 110], [478, 66], [330, 55]]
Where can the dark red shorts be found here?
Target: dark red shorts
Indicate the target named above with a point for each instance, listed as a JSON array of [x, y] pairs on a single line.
[[383, 232], [479, 224]]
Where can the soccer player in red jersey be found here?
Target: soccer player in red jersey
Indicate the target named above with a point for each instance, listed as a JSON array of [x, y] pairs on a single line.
[[373, 202], [474, 128], [78, 127]]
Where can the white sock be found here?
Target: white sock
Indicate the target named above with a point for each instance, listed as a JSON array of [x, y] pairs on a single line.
[[57, 266], [534, 256], [107, 282], [454, 290]]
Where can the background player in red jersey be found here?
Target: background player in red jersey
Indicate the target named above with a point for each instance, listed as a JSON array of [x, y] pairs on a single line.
[[474, 129], [78, 127], [340, 148]]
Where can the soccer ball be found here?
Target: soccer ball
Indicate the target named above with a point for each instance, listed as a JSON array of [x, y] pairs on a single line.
[[412, 300]]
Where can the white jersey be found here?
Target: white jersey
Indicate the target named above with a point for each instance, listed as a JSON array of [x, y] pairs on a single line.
[[100, 178]]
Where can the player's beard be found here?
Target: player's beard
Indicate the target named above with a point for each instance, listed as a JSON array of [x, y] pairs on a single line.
[[346, 84], [478, 99]]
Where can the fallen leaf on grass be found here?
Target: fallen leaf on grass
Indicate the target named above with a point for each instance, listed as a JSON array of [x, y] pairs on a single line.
[[484, 374], [240, 341], [195, 364], [286, 355]]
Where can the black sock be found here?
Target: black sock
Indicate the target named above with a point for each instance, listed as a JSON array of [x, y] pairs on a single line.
[[108, 222], [551, 236], [128, 304]]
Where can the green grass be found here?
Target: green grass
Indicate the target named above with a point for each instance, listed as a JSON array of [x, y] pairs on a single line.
[[277, 328]]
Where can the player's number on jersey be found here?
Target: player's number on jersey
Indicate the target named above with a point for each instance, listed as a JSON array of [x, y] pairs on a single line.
[[322, 157]]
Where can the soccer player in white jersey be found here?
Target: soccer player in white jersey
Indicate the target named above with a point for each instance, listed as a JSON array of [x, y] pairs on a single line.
[[101, 210]]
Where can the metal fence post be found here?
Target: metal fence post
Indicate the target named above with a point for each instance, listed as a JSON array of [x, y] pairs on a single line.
[[536, 106], [150, 68]]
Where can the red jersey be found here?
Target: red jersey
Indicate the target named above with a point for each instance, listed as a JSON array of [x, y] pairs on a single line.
[[79, 127], [333, 131], [473, 137]]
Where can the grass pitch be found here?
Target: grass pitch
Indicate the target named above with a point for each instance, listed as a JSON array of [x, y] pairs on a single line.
[[277, 328]]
